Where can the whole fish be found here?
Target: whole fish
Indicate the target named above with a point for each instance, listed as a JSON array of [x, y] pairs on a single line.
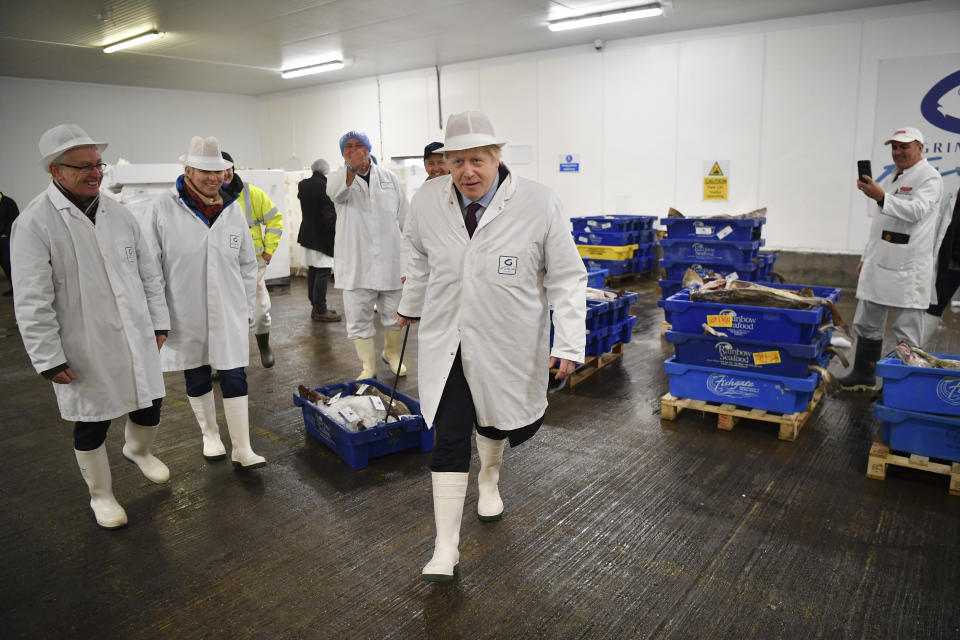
[[917, 357], [756, 213], [829, 380], [754, 294], [399, 408]]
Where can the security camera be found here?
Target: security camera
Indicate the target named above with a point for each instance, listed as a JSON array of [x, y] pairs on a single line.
[[598, 45]]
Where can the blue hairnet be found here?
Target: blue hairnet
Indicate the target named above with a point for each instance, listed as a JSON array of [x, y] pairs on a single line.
[[355, 135]]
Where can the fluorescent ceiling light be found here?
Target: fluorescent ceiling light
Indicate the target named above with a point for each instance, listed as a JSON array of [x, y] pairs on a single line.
[[133, 42], [606, 17], [333, 65]]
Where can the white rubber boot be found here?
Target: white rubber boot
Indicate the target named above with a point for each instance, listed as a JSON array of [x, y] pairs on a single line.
[[206, 411], [449, 491], [136, 449], [489, 504], [930, 324], [95, 469], [392, 343], [368, 357], [238, 423]]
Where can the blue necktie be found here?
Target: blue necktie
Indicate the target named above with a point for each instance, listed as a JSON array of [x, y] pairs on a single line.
[[471, 220]]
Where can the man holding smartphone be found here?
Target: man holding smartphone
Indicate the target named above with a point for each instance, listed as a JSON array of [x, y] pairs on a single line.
[[896, 269]]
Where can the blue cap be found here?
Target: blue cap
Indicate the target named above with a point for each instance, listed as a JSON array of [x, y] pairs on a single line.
[[431, 149], [355, 135]]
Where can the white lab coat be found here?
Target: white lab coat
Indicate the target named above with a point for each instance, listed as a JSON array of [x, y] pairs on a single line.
[[89, 296], [370, 218], [491, 296], [899, 275], [211, 282]]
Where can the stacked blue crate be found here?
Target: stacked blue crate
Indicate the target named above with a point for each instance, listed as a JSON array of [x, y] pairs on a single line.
[[763, 360], [721, 245], [608, 322], [606, 241], [920, 408]]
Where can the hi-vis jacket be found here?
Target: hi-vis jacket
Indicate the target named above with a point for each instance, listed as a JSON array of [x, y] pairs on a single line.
[[491, 296], [263, 218], [90, 296], [211, 281], [367, 244], [900, 254]]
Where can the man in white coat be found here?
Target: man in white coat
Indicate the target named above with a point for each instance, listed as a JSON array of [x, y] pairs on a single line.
[[206, 252], [371, 209], [897, 266], [490, 254], [90, 308]]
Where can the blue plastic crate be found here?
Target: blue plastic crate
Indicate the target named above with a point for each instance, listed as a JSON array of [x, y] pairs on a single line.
[[605, 238], [613, 223], [713, 228], [613, 267], [357, 447], [623, 331], [756, 356], [599, 314], [675, 269], [598, 341], [925, 434], [710, 250], [795, 326], [669, 287], [644, 263], [754, 390], [913, 388], [596, 278]]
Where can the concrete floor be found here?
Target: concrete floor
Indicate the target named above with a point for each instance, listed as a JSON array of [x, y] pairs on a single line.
[[617, 525]]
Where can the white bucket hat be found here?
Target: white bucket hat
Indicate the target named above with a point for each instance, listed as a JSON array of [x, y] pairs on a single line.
[[469, 130], [906, 134], [205, 154], [61, 139]]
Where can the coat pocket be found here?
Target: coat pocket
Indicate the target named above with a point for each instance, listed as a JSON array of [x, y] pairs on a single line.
[[514, 266]]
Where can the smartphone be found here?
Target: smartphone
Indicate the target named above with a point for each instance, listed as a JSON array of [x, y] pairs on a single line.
[[863, 168]]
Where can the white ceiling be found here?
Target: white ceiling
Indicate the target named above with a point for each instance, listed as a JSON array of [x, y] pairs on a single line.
[[240, 46]]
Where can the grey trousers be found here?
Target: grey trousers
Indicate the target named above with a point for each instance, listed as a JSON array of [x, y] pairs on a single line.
[[870, 321]]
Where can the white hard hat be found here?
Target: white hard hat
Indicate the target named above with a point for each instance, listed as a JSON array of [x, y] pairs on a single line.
[[205, 154], [906, 134], [62, 138], [469, 130]]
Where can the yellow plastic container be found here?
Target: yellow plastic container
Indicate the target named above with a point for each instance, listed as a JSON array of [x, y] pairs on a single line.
[[600, 252]]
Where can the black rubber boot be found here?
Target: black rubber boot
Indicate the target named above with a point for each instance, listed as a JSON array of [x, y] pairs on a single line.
[[864, 374], [266, 355]]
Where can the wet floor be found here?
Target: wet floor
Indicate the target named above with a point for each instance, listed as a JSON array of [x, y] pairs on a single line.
[[617, 525]]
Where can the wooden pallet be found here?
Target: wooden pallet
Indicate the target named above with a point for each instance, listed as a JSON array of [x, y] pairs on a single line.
[[664, 327], [729, 414], [591, 366], [881, 456], [612, 282]]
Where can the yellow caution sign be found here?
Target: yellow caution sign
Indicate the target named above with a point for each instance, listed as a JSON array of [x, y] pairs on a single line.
[[715, 180]]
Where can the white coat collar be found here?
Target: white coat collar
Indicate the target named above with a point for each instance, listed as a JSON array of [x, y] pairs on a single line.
[[508, 187], [61, 202]]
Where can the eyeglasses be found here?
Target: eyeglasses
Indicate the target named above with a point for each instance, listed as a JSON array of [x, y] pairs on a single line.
[[87, 168]]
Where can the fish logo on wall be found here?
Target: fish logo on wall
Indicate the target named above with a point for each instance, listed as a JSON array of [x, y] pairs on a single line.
[[941, 105]]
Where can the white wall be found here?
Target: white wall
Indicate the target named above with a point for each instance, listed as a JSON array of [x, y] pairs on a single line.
[[141, 125], [789, 103]]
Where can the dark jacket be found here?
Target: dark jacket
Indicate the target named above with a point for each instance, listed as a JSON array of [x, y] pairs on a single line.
[[319, 217], [8, 213]]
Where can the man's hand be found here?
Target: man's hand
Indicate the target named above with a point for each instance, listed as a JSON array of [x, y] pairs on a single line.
[[871, 189], [160, 340], [65, 377], [266, 257], [406, 321], [564, 367]]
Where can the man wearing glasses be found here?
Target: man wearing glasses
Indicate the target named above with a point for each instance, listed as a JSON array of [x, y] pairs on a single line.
[[91, 310]]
